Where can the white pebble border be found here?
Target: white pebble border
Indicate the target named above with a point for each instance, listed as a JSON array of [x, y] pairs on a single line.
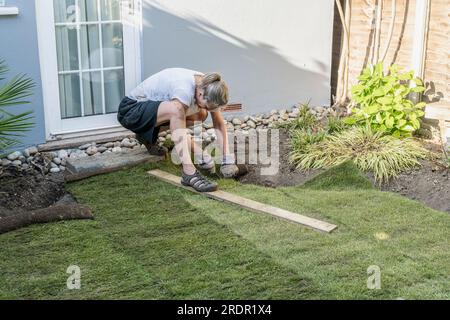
[[242, 124]]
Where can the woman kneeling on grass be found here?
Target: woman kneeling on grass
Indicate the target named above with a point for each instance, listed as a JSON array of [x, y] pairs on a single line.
[[180, 97]]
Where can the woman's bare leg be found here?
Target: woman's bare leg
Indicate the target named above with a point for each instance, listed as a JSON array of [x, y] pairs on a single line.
[[196, 119], [174, 112]]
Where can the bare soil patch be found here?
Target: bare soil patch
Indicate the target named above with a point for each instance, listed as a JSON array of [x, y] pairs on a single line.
[[287, 174], [27, 197], [429, 184]]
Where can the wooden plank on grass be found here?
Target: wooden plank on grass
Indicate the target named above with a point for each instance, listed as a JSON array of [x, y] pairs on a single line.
[[249, 204]]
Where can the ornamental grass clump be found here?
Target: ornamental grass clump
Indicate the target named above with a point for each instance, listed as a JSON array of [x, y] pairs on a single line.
[[304, 121], [371, 151]]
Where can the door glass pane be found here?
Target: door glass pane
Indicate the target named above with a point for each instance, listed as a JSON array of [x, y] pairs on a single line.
[[112, 40], [90, 46], [69, 94], [110, 9], [67, 48], [88, 10], [92, 93], [83, 47], [114, 89], [65, 10]]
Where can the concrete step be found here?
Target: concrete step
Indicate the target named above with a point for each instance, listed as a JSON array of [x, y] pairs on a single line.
[[80, 168], [76, 141]]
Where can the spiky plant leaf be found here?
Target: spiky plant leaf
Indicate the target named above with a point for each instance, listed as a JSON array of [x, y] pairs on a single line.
[[12, 93]]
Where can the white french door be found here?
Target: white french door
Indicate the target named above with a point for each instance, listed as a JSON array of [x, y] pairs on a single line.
[[90, 56]]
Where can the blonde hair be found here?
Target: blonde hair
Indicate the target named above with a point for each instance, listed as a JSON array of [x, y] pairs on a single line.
[[215, 89]]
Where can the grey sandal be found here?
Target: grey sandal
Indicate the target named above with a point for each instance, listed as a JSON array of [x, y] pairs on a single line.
[[198, 182]]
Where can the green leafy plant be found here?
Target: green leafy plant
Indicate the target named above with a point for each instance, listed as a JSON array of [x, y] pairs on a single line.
[[382, 101], [384, 155], [304, 120], [12, 93]]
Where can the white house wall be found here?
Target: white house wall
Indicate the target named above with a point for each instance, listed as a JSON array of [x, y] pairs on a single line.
[[272, 53]]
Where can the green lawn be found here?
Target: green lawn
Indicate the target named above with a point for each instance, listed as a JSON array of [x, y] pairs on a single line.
[[155, 241]]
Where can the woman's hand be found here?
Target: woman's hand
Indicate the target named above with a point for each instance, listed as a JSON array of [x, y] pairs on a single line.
[[228, 168]]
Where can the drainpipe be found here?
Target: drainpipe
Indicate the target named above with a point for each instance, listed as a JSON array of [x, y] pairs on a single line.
[[420, 42]]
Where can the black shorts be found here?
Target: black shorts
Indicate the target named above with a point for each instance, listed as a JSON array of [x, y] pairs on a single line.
[[140, 117]]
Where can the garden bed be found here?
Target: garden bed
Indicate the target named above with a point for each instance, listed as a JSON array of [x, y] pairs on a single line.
[[28, 197], [287, 174], [428, 184]]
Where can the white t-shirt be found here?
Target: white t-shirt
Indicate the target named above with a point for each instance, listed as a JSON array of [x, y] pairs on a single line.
[[169, 84]]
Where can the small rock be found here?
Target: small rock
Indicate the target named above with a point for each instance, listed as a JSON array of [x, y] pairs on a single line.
[[211, 131], [161, 139], [32, 150], [16, 163], [22, 159], [251, 124], [62, 154], [116, 149], [91, 151], [55, 170], [84, 146], [273, 112], [116, 144], [283, 111], [102, 149], [169, 136], [128, 144], [62, 168], [25, 166], [5, 162], [109, 145], [63, 162], [53, 165], [236, 121], [57, 160], [246, 118], [14, 156], [162, 134], [29, 159]]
